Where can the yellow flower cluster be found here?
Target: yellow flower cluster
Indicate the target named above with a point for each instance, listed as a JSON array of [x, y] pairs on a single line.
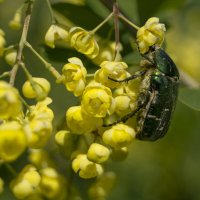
[[32, 183], [152, 33]]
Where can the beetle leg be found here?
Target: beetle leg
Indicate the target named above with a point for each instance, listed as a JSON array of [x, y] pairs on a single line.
[[141, 104], [134, 76]]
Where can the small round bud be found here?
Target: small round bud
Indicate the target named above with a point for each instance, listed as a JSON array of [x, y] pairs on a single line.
[[10, 56], [15, 23], [119, 136], [40, 90], [98, 153]]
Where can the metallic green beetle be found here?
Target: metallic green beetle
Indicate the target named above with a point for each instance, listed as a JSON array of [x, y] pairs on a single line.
[[157, 97]]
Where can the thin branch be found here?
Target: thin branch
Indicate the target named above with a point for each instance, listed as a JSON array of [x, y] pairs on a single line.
[[109, 5], [22, 41]]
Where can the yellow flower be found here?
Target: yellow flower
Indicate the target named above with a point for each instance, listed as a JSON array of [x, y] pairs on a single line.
[[119, 136], [112, 69], [55, 33], [75, 73], [52, 184], [152, 33], [43, 88], [26, 183], [10, 104], [39, 124], [12, 141], [85, 168], [80, 123], [97, 100], [98, 153], [15, 23], [2, 42], [83, 41]]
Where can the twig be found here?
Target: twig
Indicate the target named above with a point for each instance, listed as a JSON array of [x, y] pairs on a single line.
[[22, 41]]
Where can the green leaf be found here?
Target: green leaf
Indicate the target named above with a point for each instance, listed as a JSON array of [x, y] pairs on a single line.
[[82, 15], [147, 9], [190, 97]]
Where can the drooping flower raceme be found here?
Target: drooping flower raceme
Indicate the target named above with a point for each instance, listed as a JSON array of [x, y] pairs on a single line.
[[83, 41], [152, 33], [74, 73], [10, 104], [97, 100]]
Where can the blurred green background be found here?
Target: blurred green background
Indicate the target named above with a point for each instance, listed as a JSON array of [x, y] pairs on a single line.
[[165, 169]]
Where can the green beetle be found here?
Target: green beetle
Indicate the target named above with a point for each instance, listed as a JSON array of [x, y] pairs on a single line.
[[157, 97]]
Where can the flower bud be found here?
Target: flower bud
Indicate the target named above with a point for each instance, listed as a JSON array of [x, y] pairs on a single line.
[[55, 33], [40, 90], [98, 153], [10, 56], [15, 23], [119, 136]]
